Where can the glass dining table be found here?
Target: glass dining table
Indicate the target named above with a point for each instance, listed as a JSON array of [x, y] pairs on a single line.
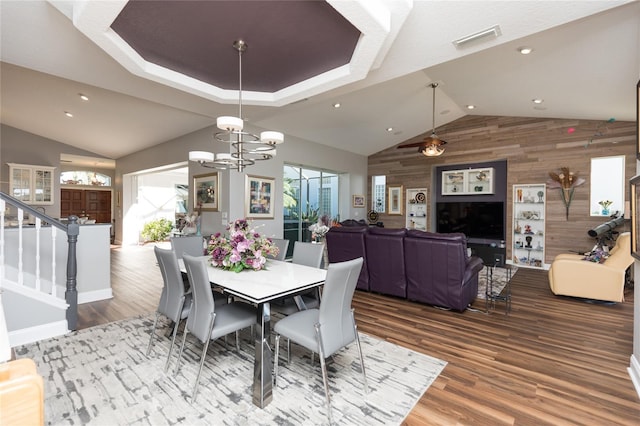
[[278, 280]]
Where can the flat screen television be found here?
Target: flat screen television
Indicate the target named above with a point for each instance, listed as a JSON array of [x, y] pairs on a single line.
[[476, 219]]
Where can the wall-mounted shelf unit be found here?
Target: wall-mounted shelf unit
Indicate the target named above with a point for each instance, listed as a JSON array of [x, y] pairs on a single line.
[[468, 181], [528, 231], [416, 209]]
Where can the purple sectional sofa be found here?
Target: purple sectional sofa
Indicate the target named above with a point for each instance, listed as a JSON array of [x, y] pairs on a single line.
[[422, 266]]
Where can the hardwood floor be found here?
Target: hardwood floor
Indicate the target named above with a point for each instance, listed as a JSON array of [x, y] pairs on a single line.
[[552, 361]]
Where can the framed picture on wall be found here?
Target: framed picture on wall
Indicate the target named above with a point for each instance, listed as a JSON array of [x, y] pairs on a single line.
[[395, 200], [259, 192], [358, 201], [206, 192]]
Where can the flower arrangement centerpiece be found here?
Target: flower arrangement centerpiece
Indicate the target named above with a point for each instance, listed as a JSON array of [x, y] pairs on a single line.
[[566, 181], [320, 229], [605, 206], [243, 248]]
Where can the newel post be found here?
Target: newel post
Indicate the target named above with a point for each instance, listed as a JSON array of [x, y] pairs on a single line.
[[71, 292]]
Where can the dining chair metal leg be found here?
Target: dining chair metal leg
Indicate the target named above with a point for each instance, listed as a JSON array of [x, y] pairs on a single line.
[[364, 374], [173, 341], [323, 366], [202, 358], [153, 333], [184, 338]]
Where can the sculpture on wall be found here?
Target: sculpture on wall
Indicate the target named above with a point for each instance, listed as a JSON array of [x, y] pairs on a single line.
[[566, 181]]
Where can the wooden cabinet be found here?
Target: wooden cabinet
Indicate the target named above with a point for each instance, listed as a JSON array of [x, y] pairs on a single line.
[[416, 209], [31, 184], [528, 236], [95, 204], [468, 181]]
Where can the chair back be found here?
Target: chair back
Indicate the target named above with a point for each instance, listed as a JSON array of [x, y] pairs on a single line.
[[335, 317], [172, 297], [308, 254], [203, 308], [282, 245], [193, 245], [620, 255]]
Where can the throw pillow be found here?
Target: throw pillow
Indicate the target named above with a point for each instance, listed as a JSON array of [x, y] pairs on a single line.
[[597, 256]]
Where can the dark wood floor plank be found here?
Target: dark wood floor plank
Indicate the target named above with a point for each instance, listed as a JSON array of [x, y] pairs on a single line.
[[551, 361]]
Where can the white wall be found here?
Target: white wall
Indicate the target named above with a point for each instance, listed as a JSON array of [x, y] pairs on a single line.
[[232, 183]]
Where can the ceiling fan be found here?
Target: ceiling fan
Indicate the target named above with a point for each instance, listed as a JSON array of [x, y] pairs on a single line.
[[431, 146]]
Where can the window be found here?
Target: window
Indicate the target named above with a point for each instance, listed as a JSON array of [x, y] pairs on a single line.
[[81, 177], [308, 195], [378, 190], [607, 184]]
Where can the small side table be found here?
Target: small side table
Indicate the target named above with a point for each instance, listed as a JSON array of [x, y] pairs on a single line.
[[492, 296]]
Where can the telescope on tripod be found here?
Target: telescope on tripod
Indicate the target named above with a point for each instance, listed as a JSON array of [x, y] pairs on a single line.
[[606, 231]]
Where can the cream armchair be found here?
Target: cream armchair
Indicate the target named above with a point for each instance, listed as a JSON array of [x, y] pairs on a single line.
[[569, 275]]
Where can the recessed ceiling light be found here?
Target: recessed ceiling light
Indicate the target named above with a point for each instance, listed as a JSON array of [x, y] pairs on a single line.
[[68, 114], [537, 101], [525, 50], [83, 97], [337, 105], [389, 129], [471, 106]]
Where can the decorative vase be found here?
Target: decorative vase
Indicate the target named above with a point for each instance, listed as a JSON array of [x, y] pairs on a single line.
[[189, 230], [605, 212]]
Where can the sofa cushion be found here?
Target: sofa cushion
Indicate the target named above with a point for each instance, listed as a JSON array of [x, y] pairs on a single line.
[[347, 243]]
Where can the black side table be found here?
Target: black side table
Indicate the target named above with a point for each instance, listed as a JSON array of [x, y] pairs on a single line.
[[492, 296]]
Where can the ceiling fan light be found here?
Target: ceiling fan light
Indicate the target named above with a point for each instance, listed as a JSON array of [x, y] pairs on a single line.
[[433, 150]]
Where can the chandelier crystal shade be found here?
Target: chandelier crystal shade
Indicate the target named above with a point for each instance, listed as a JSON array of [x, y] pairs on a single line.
[[434, 146], [245, 148]]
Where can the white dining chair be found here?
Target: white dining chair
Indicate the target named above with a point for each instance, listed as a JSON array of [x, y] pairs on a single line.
[[207, 320], [193, 245], [175, 303], [308, 254], [329, 328], [283, 246]]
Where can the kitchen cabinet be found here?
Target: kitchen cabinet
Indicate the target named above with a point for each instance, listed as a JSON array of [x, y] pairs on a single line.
[[31, 184]]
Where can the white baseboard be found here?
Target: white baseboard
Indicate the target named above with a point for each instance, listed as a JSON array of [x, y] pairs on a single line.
[[634, 373], [35, 334], [94, 296]]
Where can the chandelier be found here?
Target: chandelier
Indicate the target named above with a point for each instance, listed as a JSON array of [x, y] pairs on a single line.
[[245, 148], [433, 145]]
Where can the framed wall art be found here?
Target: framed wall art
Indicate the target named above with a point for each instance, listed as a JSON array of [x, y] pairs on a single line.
[[358, 201], [635, 217], [395, 200], [259, 193], [206, 192]]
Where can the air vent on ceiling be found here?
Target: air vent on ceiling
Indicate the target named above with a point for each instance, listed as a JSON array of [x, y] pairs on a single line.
[[493, 31]]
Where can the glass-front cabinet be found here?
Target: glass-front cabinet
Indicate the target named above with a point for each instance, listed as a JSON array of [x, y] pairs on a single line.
[[528, 238], [416, 209], [31, 184], [468, 181]]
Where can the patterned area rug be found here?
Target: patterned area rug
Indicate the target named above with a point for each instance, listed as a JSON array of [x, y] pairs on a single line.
[[101, 376], [499, 280]]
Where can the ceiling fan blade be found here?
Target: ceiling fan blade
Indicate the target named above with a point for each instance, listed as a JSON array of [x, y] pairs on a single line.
[[413, 145]]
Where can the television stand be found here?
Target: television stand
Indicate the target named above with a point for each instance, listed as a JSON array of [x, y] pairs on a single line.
[[491, 253]]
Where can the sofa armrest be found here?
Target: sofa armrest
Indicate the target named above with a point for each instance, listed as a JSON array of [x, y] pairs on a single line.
[[473, 267]]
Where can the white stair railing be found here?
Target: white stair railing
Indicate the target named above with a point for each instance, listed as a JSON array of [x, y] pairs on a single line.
[[71, 229]]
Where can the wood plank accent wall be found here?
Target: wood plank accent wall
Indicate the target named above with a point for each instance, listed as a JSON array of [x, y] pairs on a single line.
[[533, 147]]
